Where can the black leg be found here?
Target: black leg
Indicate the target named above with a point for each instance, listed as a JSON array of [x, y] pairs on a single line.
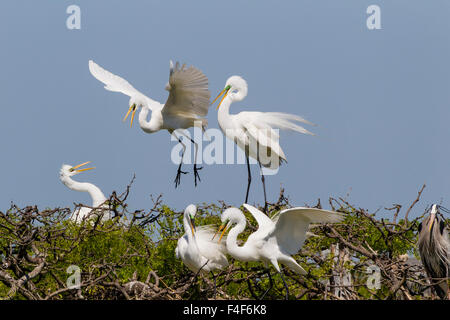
[[196, 175], [179, 172], [249, 178], [264, 188], [249, 285], [285, 285], [271, 284]]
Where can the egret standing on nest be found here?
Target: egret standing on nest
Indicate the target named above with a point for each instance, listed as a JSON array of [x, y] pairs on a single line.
[[277, 238], [196, 247], [186, 106], [434, 249], [98, 198], [254, 132]]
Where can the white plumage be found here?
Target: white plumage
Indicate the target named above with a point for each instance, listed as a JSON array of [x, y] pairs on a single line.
[[254, 132], [276, 239], [188, 99], [186, 105], [98, 198], [196, 247]]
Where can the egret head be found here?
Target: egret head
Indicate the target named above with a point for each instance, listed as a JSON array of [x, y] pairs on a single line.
[[189, 213], [236, 88], [229, 217], [135, 103], [68, 170]]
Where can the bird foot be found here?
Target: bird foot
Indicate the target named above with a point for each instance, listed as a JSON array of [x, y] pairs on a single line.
[[196, 175], [178, 177]]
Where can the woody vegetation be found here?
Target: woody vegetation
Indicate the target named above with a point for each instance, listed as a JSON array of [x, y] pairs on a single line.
[[367, 256]]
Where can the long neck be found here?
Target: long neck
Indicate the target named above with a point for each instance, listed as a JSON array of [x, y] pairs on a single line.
[[187, 228], [193, 246], [224, 113], [96, 194], [155, 122], [243, 253]]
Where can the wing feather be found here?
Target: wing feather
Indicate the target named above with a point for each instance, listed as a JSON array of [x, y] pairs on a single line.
[[259, 133], [292, 224], [277, 120], [188, 92], [264, 222], [113, 82]]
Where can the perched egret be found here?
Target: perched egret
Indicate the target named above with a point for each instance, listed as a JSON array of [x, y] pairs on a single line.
[[196, 247], [186, 106], [277, 238], [434, 249], [254, 132], [98, 198]]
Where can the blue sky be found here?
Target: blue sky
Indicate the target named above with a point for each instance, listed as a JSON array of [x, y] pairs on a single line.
[[380, 97]]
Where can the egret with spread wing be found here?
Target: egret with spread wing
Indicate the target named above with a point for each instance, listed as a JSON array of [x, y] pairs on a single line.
[[434, 249], [277, 238], [196, 247], [254, 132], [186, 106], [98, 198]]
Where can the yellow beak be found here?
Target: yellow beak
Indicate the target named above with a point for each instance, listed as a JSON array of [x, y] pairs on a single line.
[[80, 165], [223, 232], [225, 90], [192, 226], [132, 108], [218, 230], [433, 218]]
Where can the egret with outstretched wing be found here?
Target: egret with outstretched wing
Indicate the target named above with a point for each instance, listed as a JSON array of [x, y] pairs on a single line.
[[254, 132], [186, 106], [276, 239]]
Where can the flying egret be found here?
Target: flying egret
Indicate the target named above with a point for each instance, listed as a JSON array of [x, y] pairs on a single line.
[[196, 247], [434, 249], [276, 238], [186, 106], [254, 132], [98, 198]]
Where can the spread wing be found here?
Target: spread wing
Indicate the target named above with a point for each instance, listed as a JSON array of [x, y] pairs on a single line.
[[188, 91], [113, 82], [292, 224], [264, 222]]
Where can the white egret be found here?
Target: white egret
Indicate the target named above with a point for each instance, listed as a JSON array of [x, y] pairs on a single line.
[[254, 132], [196, 247], [276, 238], [98, 198], [186, 106], [434, 249]]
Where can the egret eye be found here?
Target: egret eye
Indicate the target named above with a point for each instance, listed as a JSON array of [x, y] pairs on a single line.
[[71, 169]]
